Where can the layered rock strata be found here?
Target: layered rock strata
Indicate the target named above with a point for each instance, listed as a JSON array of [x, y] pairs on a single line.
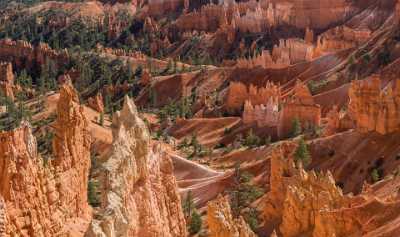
[[238, 93], [288, 52], [302, 203], [374, 109], [262, 115], [140, 196], [25, 55], [46, 200], [301, 107]]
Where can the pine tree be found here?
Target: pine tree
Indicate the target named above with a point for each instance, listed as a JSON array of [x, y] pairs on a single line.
[[296, 127], [93, 198], [195, 223], [188, 205], [302, 154], [101, 120]]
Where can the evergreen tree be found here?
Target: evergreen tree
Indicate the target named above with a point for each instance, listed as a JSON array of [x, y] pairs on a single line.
[[188, 205], [302, 154], [93, 197], [101, 120], [243, 193], [195, 223], [252, 140], [296, 127]]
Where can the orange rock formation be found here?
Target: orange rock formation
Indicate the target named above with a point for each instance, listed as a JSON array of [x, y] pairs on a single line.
[[304, 203], [140, 196], [288, 52], [238, 93], [221, 223], [96, 103], [22, 53], [302, 107], [262, 115], [47, 200], [6, 80], [374, 109]]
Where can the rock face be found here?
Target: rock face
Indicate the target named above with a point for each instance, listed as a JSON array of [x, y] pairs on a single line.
[[298, 199], [96, 103], [23, 54], [333, 121], [221, 223], [238, 93], [6, 80], [140, 196], [302, 107], [46, 200], [288, 52], [71, 147], [374, 109], [302, 203], [262, 115]]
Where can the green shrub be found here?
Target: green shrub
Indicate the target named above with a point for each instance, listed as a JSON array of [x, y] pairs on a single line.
[[296, 127], [93, 196], [195, 223], [375, 176], [302, 153], [252, 140]]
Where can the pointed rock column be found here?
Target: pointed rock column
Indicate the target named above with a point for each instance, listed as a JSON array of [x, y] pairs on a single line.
[[140, 195]]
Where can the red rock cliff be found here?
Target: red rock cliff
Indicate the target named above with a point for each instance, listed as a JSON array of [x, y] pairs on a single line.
[[374, 109], [47, 200], [71, 147]]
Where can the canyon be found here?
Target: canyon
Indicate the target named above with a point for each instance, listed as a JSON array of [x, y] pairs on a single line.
[[196, 118]]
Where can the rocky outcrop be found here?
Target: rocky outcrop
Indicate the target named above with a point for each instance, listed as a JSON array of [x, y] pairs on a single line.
[[96, 103], [302, 203], [288, 52], [25, 55], [221, 222], [300, 106], [312, 14], [71, 146], [46, 200], [298, 199], [340, 38], [374, 109], [238, 93], [332, 121], [140, 196], [262, 115], [6, 80]]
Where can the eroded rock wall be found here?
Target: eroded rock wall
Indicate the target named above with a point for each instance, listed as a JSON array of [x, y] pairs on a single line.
[[140, 196], [301, 107], [47, 199], [25, 55], [221, 222], [375, 109], [262, 115], [238, 93]]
